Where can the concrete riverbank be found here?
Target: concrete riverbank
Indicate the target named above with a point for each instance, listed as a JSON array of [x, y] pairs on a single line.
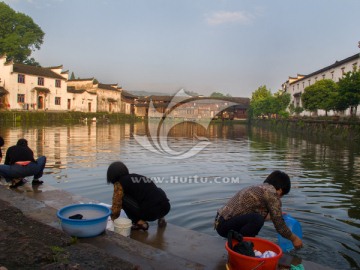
[[31, 238]]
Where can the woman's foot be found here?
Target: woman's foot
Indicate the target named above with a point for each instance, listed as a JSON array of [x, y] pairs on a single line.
[[140, 225], [37, 182], [161, 222], [18, 183]]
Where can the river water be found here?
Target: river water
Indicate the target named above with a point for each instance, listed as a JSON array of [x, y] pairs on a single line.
[[325, 194]]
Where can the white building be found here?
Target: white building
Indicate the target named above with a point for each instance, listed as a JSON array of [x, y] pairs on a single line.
[[81, 95], [25, 87], [295, 86]]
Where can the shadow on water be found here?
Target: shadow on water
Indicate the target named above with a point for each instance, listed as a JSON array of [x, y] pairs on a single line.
[[325, 194]]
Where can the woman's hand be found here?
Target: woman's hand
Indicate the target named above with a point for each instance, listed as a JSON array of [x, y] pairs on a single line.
[[297, 242]]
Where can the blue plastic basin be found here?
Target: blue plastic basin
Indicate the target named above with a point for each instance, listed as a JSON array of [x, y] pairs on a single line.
[[93, 223]]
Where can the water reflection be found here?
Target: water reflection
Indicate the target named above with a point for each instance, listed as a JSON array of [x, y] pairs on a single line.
[[325, 175]]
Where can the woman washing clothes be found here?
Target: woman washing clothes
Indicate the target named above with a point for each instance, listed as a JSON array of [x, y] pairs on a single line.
[[19, 163], [138, 196]]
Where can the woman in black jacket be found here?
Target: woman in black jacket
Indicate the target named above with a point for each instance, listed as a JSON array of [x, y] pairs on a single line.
[[140, 198], [19, 163]]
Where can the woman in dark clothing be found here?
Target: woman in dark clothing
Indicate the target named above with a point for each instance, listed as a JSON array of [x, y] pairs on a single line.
[[1, 145], [20, 162], [140, 198]]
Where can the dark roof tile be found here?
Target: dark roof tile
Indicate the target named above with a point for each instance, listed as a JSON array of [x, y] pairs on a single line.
[[36, 71]]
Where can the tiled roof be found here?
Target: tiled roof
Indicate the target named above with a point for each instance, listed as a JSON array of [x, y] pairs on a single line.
[[3, 91], [128, 95], [79, 80], [108, 87], [71, 89], [240, 100], [336, 64], [36, 71]]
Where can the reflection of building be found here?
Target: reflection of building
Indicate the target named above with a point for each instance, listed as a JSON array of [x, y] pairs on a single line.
[[193, 108], [24, 87], [295, 86]]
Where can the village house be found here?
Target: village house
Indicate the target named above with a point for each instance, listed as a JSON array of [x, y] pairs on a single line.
[[90, 96], [128, 103], [25, 87], [81, 95], [295, 86]]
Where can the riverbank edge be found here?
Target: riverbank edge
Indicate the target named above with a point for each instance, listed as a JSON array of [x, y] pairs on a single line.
[[32, 238], [46, 117], [30, 229], [338, 129]]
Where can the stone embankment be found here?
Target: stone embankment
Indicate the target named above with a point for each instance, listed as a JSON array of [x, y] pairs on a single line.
[[345, 129], [31, 238]]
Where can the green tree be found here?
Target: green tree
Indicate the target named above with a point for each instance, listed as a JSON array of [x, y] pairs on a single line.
[[281, 102], [309, 100], [191, 93], [320, 96], [261, 102], [19, 35], [219, 95], [72, 76], [261, 93], [349, 91]]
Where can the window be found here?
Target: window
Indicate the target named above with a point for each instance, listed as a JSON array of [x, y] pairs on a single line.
[[309, 82], [40, 81], [342, 70], [323, 76], [57, 100], [21, 78], [21, 98], [332, 74], [57, 83], [354, 66]]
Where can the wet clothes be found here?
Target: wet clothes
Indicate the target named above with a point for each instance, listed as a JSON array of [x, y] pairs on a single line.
[[246, 211], [140, 198]]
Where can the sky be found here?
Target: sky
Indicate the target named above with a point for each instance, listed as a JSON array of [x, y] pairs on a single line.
[[203, 46]]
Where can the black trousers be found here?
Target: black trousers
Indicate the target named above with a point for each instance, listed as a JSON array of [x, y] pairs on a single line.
[[248, 225], [136, 211]]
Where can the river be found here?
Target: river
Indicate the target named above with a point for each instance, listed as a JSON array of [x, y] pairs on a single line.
[[325, 175]]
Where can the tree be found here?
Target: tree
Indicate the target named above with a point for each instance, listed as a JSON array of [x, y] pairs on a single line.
[[219, 95], [19, 35], [31, 62], [72, 76], [191, 93], [282, 101], [349, 90], [309, 99], [260, 102], [261, 93]]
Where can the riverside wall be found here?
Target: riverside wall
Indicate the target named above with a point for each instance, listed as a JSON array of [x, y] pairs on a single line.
[[47, 117], [333, 128]]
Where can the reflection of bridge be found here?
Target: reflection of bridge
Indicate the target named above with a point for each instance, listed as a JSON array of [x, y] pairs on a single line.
[[193, 108]]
